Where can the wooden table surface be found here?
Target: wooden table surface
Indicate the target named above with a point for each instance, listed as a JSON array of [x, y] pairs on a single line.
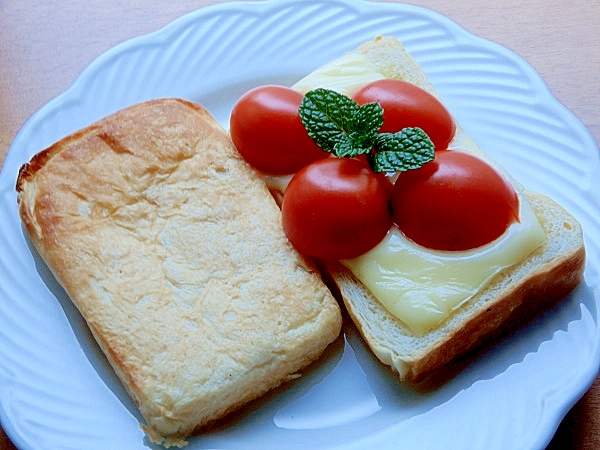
[[44, 45]]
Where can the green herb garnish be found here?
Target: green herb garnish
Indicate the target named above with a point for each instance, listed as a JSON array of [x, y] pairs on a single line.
[[341, 126]]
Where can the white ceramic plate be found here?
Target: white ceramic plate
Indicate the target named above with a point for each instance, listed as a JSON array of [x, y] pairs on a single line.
[[56, 389]]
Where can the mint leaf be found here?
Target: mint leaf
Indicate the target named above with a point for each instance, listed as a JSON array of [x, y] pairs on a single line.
[[407, 149], [338, 124], [341, 126], [368, 120]]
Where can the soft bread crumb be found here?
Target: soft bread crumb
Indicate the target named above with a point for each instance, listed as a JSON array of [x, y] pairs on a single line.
[[167, 442]]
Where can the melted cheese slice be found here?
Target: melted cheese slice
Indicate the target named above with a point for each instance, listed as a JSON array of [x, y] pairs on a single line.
[[344, 75], [420, 286]]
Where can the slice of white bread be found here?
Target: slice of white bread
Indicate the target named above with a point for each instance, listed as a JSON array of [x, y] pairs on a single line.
[[172, 249], [508, 300]]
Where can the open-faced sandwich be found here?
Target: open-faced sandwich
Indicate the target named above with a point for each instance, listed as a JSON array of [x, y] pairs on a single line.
[[434, 247]]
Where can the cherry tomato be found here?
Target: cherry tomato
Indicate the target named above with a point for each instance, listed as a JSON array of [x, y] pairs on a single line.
[[455, 202], [336, 209], [407, 105], [266, 129]]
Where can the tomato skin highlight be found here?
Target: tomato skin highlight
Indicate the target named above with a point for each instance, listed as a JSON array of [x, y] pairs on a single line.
[[336, 209], [266, 129], [407, 105], [456, 202]]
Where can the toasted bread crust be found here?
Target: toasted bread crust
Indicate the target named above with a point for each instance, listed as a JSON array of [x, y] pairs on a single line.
[[172, 249]]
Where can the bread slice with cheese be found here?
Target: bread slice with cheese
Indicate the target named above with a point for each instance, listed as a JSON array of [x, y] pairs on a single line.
[[172, 249], [509, 299]]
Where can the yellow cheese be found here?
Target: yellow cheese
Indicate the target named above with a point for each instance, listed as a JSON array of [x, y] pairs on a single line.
[[344, 75], [420, 286]]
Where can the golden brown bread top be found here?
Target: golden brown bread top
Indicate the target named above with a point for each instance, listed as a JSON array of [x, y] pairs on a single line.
[[172, 249]]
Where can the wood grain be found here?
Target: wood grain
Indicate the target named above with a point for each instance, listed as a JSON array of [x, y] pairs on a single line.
[[44, 45]]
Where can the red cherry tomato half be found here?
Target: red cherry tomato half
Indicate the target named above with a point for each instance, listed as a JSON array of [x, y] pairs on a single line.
[[407, 105], [336, 209], [266, 129], [455, 202]]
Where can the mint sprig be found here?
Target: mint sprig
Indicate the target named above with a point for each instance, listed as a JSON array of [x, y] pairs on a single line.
[[341, 126]]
